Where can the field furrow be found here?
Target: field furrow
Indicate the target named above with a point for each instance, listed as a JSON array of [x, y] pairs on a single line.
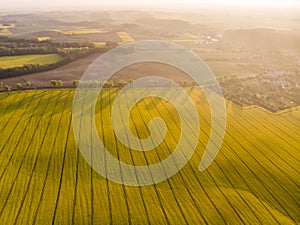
[[44, 178]]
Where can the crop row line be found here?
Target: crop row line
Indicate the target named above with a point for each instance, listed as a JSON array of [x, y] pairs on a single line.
[[25, 152], [255, 159], [62, 171], [211, 176], [51, 153], [36, 159]]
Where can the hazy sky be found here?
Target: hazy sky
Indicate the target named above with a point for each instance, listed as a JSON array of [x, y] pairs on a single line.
[[95, 4]]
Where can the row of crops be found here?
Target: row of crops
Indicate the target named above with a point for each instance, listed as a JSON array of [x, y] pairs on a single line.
[[45, 180]]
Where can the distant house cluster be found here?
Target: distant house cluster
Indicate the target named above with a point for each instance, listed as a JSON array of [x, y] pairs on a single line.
[[274, 90]]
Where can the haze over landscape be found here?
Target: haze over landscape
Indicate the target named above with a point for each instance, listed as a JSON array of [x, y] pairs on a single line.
[[150, 144], [138, 4]]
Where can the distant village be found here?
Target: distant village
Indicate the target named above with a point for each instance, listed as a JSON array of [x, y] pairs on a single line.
[[274, 90]]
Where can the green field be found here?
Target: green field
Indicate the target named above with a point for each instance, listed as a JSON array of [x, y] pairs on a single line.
[[5, 29], [125, 37], [45, 180], [21, 60]]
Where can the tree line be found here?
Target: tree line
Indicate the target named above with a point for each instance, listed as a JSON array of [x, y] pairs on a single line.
[[70, 51], [10, 46]]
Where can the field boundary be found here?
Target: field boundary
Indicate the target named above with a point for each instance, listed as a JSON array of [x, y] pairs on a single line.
[[69, 88]]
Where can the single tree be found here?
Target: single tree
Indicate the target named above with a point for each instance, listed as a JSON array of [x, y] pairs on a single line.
[[19, 86], [112, 83], [7, 88], [75, 82], [122, 83], [108, 84], [54, 82], [28, 84], [194, 83], [60, 83]]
